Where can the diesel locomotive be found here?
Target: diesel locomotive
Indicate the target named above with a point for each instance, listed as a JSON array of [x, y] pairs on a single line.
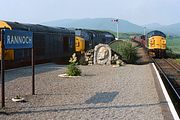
[[87, 39], [52, 44], [154, 42]]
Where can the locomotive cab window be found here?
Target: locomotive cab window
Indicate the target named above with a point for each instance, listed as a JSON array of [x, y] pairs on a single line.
[[78, 32]]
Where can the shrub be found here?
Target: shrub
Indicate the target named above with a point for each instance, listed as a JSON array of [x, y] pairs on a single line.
[[72, 69], [128, 52], [170, 53]]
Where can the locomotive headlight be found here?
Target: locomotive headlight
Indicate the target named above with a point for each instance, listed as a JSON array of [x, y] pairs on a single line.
[[151, 41], [164, 41]]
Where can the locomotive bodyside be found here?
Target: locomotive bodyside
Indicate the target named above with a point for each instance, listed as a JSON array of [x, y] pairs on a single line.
[[50, 44], [140, 39]]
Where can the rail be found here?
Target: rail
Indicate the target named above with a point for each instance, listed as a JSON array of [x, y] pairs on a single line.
[[169, 72], [170, 62]]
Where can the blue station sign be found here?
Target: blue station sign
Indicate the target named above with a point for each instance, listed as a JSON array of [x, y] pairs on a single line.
[[17, 39]]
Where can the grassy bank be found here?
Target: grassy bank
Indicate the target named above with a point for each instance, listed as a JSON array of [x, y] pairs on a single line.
[[126, 50], [174, 44], [124, 36]]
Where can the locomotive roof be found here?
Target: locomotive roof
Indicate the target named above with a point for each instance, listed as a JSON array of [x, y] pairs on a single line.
[[96, 32], [37, 27], [156, 33]]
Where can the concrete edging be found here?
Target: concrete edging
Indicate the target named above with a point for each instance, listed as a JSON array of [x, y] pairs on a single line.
[[170, 104]]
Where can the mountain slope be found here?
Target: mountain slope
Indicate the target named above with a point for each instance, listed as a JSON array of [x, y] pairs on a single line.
[[173, 29], [97, 23], [153, 26], [107, 24]]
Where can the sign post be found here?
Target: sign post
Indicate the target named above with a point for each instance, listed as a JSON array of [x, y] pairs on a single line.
[[33, 73], [15, 39], [2, 71], [117, 27]]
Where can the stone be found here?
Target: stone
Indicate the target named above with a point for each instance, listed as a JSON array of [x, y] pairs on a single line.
[[102, 54]]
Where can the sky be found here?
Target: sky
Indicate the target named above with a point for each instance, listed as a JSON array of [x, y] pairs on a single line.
[[139, 12]]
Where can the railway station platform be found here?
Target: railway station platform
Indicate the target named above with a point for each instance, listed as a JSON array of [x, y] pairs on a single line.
[[130, 92]]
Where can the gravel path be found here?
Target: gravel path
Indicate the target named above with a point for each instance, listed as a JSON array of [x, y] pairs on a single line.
[[103, 92]]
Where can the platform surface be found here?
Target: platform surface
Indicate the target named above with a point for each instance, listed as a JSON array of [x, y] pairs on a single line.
[[129, 92]]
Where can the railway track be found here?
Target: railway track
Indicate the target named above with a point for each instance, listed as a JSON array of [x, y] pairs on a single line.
[[170, 73], [170, 70]]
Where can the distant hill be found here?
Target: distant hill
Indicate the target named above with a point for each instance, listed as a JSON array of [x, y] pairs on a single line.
[[107, 24], [97, 23], [173, 29], [153, 25]]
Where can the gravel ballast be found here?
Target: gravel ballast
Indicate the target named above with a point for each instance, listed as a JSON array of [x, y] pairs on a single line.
[[102, 92]]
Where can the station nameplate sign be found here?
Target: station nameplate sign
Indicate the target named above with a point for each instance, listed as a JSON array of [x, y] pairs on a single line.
[[17, 39]]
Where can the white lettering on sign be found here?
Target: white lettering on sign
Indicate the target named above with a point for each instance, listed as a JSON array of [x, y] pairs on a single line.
[[19, 39]]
